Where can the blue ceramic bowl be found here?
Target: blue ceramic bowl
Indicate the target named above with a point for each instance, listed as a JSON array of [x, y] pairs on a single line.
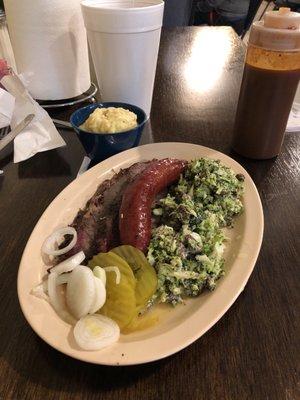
[[99, 146]]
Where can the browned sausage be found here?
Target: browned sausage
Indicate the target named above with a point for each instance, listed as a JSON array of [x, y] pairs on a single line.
[[135, 210]]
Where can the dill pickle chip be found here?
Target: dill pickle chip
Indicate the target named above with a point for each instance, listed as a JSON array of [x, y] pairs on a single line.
[[120, 304], [141, 322], [111, 259], [144, 273]]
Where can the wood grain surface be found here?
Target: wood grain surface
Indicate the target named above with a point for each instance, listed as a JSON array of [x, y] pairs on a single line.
[[253, 351]]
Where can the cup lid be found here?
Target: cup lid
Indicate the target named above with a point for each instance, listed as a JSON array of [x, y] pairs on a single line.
[[122, 16]]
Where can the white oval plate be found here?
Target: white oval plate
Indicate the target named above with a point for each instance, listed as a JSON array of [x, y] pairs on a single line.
[[178, 327]]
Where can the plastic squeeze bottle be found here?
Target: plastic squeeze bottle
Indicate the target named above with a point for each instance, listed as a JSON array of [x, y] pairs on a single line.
[[270, 80]]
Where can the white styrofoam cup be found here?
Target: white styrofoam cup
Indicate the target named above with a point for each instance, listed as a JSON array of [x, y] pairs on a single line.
[[124, 37]]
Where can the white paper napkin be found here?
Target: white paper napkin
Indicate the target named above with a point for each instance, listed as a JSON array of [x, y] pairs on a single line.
[[293, 124], [7, 105], [41, 134]]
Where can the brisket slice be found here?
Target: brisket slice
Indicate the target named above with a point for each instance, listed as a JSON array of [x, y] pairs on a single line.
[[97, 223]]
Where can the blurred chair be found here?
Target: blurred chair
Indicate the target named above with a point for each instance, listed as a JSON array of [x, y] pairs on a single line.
[[213, 18], [253, 7], [177, 12]]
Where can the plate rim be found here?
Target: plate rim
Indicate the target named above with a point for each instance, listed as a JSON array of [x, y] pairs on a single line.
[[83, 356]]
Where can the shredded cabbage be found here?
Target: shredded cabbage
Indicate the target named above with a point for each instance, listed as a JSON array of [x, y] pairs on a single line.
[[187, 241]]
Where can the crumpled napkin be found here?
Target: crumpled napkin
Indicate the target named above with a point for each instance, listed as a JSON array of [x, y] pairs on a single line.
[[293, 124], [40, 134]]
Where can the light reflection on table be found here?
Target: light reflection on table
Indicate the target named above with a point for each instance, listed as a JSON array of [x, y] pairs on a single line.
[[202, 73]]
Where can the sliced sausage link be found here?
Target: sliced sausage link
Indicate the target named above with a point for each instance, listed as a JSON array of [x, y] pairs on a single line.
[[135, 210]]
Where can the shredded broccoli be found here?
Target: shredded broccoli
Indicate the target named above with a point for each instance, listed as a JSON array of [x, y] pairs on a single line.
[[187, 242]]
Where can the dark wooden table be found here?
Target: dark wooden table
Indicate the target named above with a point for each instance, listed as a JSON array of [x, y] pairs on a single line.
[[252, 352]]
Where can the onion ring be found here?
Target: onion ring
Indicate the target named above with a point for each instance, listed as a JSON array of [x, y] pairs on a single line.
[[57, 236], [57, 300], [69, 264], [116, 271]]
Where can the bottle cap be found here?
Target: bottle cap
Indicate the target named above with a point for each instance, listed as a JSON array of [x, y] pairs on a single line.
[[284, 18], [279, 31]]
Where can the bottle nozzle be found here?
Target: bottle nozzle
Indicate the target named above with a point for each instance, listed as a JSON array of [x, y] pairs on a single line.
[[284, 10]]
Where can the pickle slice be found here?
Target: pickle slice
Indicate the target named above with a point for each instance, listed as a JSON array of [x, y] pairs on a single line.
[[144, 273], [141, 322], [120, 304], [111, 259]]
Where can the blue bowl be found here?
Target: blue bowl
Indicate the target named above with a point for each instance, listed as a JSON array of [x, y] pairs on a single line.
[[99, 146]]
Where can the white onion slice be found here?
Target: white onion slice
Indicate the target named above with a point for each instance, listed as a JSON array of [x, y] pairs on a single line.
[[80, 292], [41, 291], [100, 273], [100, 296], [94, 332], [69, 264], [57, 299], [116, 270], [50, 244]]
